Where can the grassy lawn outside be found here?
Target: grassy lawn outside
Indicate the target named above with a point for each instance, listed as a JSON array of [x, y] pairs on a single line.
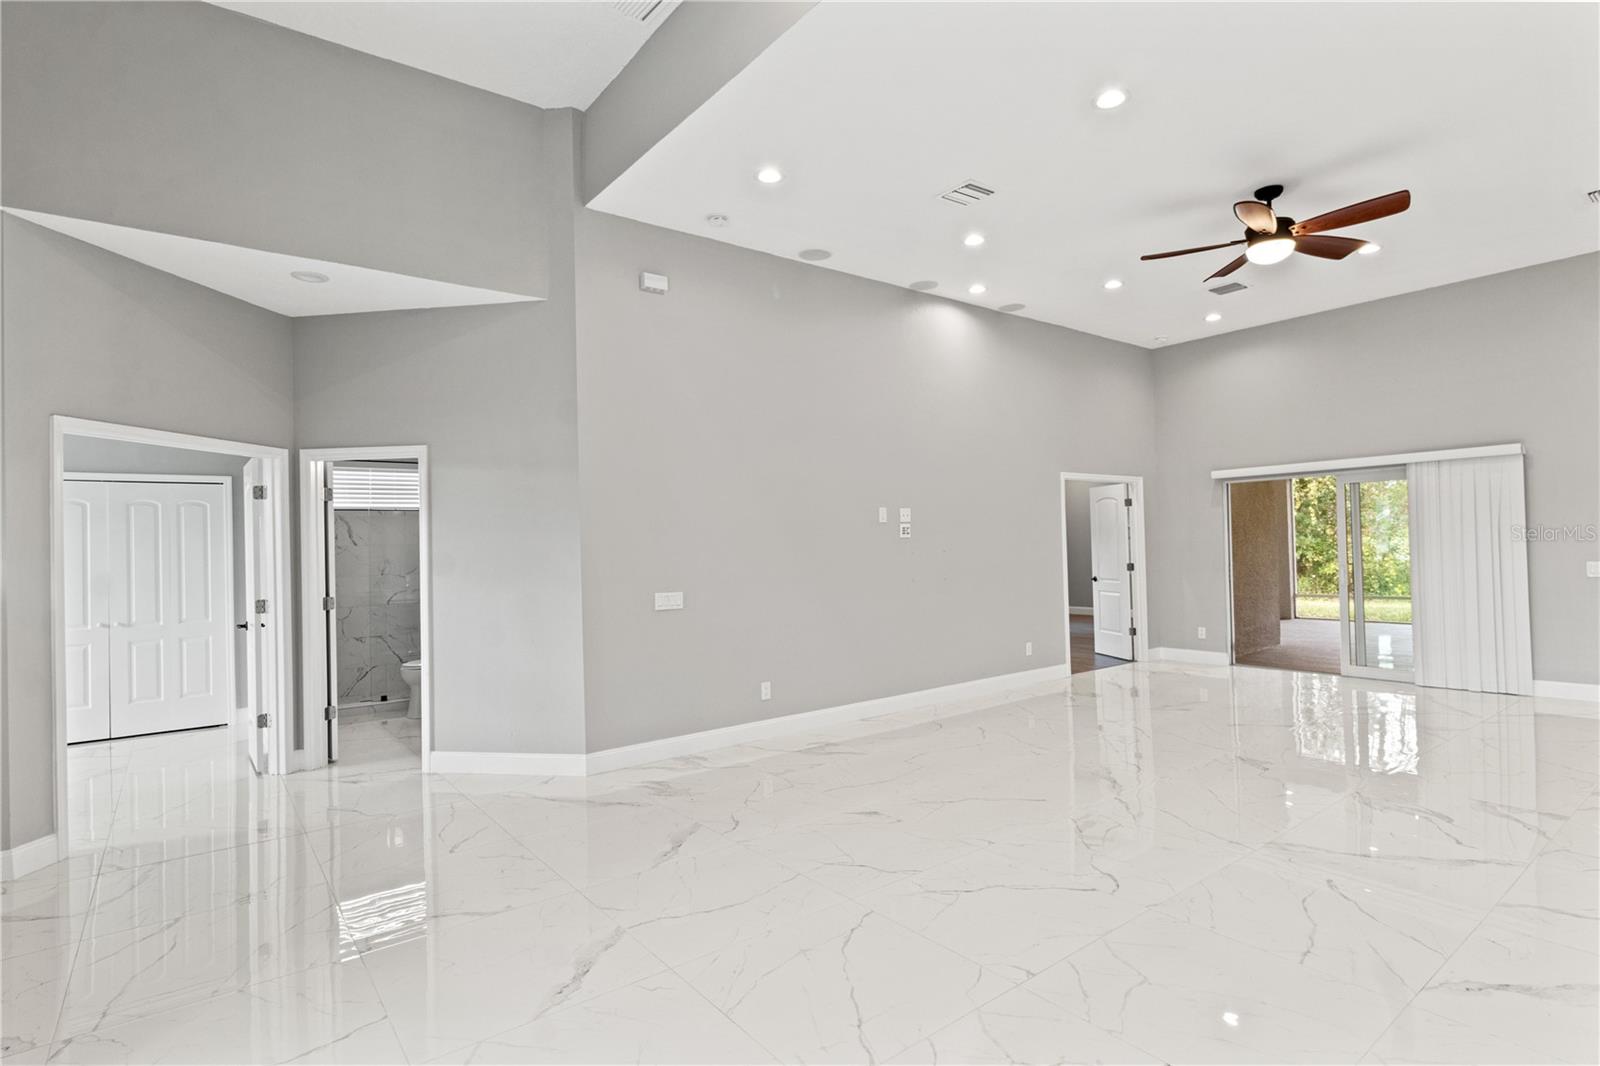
[[1378, 609]]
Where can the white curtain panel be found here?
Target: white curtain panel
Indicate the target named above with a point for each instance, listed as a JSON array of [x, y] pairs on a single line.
[[1469, 573]]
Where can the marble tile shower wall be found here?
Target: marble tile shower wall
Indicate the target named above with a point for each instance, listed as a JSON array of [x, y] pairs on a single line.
[[377, 602]]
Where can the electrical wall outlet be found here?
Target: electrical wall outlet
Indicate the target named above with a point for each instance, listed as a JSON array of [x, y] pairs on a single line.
[[766, 690], [669, 601], [1200, 632], [1027, 649], [905, 530], [1593, 569]]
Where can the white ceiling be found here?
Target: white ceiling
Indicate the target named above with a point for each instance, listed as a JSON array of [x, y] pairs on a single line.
[[1488, 113], [549, 54], [262, 278]]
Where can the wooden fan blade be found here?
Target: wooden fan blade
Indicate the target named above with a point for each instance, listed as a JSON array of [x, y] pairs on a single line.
[[1257, 215], [1230, 268], [1190, 251], [1328, 247], [1355, 214]]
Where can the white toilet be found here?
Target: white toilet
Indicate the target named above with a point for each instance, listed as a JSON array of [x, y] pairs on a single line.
[[411, 674]]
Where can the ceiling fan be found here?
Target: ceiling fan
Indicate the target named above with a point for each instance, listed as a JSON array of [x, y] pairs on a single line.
[[1271, 238]]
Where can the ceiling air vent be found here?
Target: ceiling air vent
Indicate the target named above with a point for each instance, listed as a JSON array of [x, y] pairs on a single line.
[[967, 193], [638, 10], [1232, 286], [1594, 196]]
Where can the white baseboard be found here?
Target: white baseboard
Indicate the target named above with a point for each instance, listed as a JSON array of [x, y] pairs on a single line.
[[953, 699], [1567, 690], [26, 858], [1191, 656], [1081, 611], [530, 764], [1578, 699]]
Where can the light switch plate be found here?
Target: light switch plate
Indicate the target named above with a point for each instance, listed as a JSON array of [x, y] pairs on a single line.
[[1593, 569], [883, 514], [1027, 649], [669, 601], [905, 530], [905, 514]]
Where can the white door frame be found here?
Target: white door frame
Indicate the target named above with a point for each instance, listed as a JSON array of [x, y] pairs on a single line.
[[1141, 598], [313, 464], [276, 463]]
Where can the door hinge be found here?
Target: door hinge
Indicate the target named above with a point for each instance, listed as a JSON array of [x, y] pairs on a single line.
[[327, 601], [258, 492], [1127, 501], [261, 607], [330, 713], [1130, 567], [327, 493], [1133, 631], [263, 720]]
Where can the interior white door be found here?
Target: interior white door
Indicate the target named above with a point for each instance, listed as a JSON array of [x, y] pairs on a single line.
[[87, 683], [1108, 547], [168, 603]]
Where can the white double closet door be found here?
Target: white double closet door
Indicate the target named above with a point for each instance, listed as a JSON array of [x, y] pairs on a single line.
[[147, 596]]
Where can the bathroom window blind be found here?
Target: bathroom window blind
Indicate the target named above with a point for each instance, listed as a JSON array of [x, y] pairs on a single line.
[[371, 487]]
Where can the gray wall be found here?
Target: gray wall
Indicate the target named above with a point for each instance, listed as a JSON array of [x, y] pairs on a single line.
[[195, 120], [738, 437], [91, 334], [1510, 357], [1080, 590], [492, 391], [698, 50], [93, 455]]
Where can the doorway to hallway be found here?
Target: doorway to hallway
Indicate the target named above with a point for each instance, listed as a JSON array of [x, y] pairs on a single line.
[[1102, 558]]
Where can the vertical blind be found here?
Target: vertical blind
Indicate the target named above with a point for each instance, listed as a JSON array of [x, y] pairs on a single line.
[[1470, 575], [376, 487]]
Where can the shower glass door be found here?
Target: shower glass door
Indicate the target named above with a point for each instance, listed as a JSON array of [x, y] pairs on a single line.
[[1375, 574]]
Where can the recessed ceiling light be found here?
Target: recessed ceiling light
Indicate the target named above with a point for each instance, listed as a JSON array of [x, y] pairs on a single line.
[[1110, 97], [716, 220], [815, 255], [972, 240], [1214, 317], [1370, 248], [769, 175], [924, 286], [1113, 283], [1012, 309], [977, 288], [311, 277]]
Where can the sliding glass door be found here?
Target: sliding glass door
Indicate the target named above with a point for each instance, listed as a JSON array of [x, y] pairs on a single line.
[[1375, 574]]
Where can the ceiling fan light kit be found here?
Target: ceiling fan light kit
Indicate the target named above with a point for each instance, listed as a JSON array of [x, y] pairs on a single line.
[[1271, 238]]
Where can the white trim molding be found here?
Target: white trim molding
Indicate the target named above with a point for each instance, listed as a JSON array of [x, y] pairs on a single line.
[[24, 859], [1583, 697], [528, 764], [1322, 466], [943, 701], [1189, 656]]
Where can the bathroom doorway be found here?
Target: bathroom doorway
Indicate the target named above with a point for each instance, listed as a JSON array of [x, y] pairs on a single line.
[[365, 607]]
